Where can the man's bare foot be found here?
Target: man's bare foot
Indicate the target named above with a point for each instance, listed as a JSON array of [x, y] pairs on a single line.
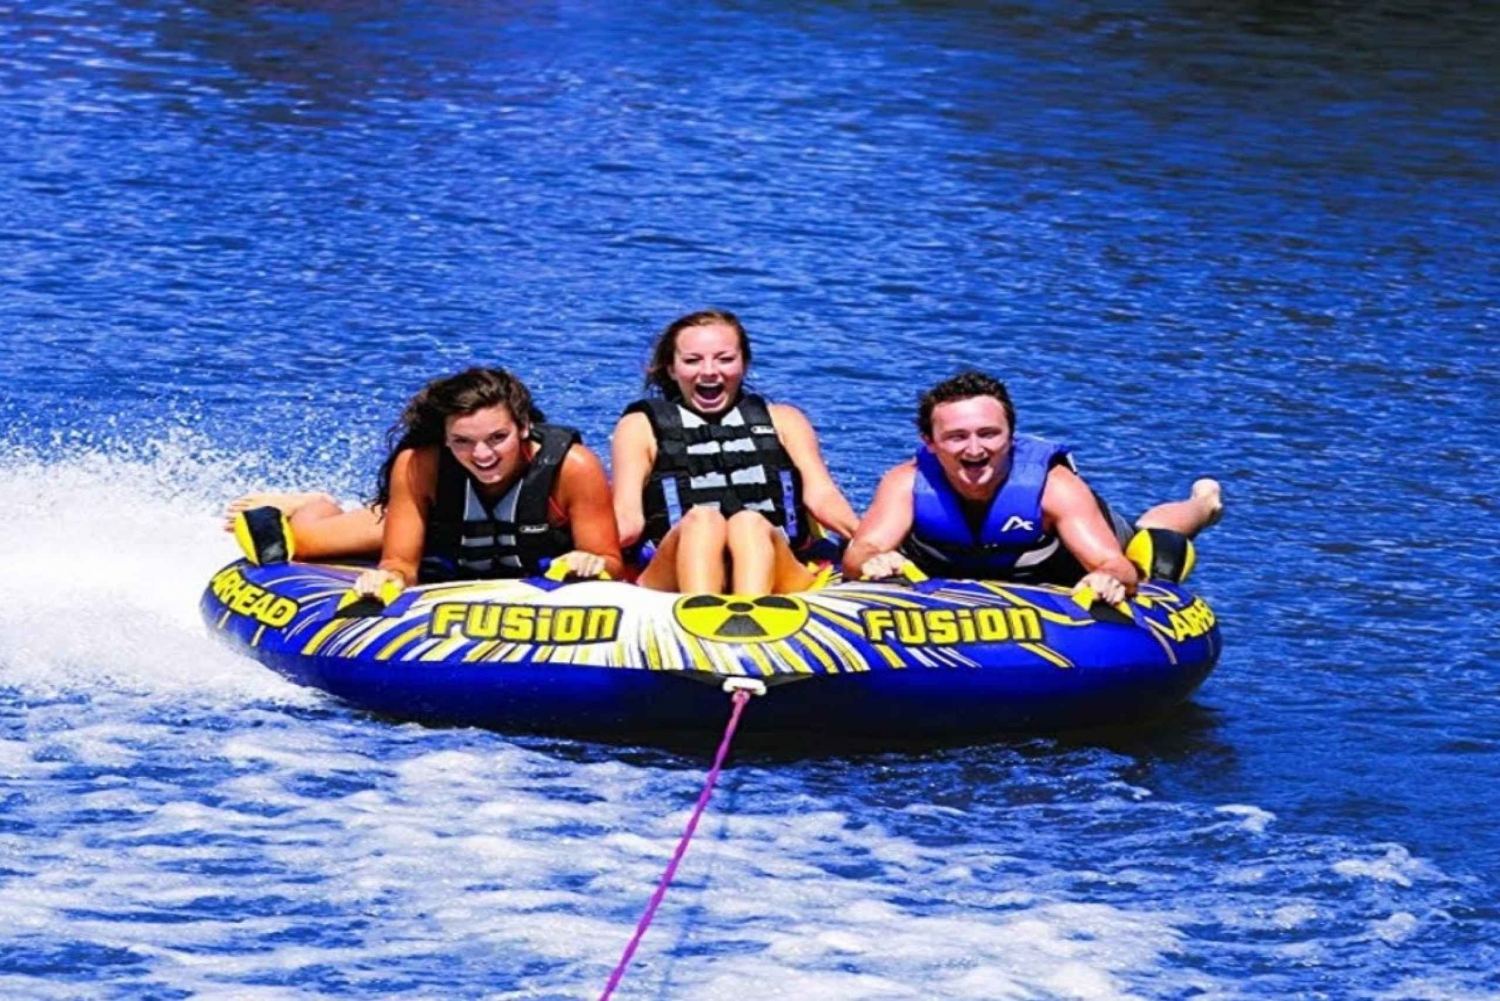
[[1208, 493], [287, 504]]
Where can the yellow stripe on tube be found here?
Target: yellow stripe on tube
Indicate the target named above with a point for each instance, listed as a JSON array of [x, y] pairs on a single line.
[[416, 632]]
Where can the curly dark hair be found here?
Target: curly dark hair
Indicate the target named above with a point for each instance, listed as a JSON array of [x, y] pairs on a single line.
[[963, 386], [659, 368], [424, 421]]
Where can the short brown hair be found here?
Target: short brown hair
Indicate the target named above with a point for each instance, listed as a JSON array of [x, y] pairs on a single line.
[[963, 386]]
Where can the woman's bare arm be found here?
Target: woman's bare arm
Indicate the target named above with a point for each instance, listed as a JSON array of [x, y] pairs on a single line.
[[583, 494], [633, 453], [820, 495], [413, 486]]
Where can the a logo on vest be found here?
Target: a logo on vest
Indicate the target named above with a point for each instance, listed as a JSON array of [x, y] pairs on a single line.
[[532, 529], [1016, 521], [762, 429]]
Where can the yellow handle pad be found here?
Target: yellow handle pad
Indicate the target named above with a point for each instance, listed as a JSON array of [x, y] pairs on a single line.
[[822, 574], [559, 571], [911, 572], [1085, 597]]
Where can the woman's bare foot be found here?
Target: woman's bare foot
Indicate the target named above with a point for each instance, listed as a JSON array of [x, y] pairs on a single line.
[[1208, 493], [286, 503]]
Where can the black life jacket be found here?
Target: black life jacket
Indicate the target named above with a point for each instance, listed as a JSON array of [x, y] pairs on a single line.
[[469, 539], [733, 462]]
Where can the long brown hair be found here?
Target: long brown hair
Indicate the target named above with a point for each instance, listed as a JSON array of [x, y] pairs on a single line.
[[659, 368], [425, 419]]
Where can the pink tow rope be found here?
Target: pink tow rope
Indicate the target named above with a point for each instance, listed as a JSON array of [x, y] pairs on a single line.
[[739, 697]]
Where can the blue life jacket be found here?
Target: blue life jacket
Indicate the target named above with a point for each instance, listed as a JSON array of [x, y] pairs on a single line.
[[1012, 544]]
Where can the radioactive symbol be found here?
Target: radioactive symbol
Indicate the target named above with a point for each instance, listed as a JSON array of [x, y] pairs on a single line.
[[730, 619]]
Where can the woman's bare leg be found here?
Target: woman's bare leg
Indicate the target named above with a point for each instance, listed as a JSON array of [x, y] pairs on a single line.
[[700, 552], [661, 573], [324, 532], [690, 558], [761, 560], [752, 554], [287, 503], [792, 574], [1201, 510], [321, 528]]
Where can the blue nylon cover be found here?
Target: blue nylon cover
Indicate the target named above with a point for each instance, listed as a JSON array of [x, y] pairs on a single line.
[[940, 660], [1015, 515]]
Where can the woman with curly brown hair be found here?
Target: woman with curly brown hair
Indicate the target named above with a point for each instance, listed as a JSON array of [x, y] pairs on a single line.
[[475, 486]]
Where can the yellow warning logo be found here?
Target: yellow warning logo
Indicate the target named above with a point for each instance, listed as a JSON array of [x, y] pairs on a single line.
[[729, 619]]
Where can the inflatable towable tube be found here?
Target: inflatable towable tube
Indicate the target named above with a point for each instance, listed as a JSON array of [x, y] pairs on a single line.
[[939, 659]]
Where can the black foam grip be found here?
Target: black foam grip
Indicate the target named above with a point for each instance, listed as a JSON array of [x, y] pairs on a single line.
[[1168, 554], [368, 607], [267, 535]]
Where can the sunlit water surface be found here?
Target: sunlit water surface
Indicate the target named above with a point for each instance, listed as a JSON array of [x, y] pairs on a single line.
[[1243, 240]]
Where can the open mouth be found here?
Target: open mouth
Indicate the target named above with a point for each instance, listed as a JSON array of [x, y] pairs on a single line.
[[974, 465], [709, 392]]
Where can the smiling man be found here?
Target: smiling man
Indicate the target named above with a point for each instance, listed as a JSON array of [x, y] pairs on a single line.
[[979, 501]]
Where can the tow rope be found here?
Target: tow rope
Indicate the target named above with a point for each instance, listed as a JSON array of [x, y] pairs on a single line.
[[739, 690]]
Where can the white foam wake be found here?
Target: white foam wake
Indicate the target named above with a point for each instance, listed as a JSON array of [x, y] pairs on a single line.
[[104, 553]]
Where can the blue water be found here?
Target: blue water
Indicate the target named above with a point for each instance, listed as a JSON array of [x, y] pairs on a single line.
[[1258, 241]]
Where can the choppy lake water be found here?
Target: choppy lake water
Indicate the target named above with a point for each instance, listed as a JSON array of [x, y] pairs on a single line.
[[1258, 241]]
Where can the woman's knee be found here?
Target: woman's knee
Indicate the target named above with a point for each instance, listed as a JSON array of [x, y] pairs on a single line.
[[319, 508], [702, 521], [749, 528]]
